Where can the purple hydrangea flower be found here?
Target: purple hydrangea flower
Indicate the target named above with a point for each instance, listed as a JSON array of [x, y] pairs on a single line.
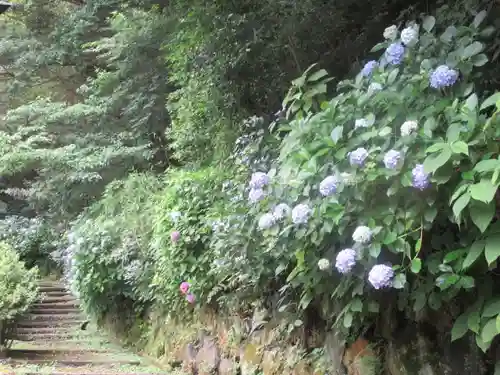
[[392, 159], [301, 214], [266, 221], [191, 298], [368, 68], [281, 211], [346, 260], [442, 77], [259, 180], [175, 236], [358, 157], [394, 53], [380, 276], [328, 186], [184, 287], [420, 179], [256, 195]]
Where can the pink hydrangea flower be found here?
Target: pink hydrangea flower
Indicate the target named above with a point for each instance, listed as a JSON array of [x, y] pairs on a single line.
[[175, 236], [184, 287], [190, 298]]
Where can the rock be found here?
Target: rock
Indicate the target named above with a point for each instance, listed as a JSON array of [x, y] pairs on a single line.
[[187, 355], [250, 358], [359, 359], [334, 351], [227, 367], [208, 357], [302, 368], [271, 363]]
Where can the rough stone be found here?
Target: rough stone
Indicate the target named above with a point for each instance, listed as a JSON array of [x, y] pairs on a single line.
[[187, 355], [208, 357], [359, 359], [250, 358], [271, 363], [334, 349]]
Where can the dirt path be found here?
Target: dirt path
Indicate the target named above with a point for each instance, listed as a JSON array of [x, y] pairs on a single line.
[[49, 340]]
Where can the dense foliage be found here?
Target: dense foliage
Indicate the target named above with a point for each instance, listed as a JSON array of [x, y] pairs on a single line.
[[160, 180], [18, 286]]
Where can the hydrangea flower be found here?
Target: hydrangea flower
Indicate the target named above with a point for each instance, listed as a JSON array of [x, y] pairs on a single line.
[[358, 157], [360, 123], [442, 77], [348, 179], [391, 32], [368, 68], [281, 211], [362, 235], [256, 195], [301, 214], [184, 287], [175, 215], [381, 276], [328, 186], [408, 127], [175, 236], [191, 298], [394, 53], [259, 180], [346, 260], [409, 36], [420, 179], [323, 264], [392, 159], [266, 221], [374, 87]]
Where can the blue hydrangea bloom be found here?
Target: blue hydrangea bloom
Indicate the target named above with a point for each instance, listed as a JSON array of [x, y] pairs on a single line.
[[420, 179], [362, 235], [346, 260], [256, 195], [301, 214], [259, 180], [358, 157], [281, 211], [381, 276], [328, 186], [368, 68], [394, 53], [392, 159], [442, 77]]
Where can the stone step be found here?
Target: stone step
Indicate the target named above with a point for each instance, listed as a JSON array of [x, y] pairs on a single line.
[[76, 362], [34, 336], [45, 323], [66, 315], [52, 288], [48, 310], [56, 294], [56, 305], [29, 354], [34, 330], [88, 371], [58, 299]]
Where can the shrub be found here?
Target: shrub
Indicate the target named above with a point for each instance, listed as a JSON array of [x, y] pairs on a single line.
[[18, 287]]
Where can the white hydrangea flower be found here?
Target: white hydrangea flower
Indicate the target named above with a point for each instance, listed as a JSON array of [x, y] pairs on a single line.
[[362, 235], [301, 214], [360, 123], [323, 264], [348, 179], [391, 32], [281, 211], [266, 221], [409, 36], [374, 87], [408, 127]]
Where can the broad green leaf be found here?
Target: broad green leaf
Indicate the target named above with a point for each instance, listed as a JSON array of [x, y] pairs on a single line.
[[336, 133], [492, 248], [459, 191], [479, 18], [482, 214], [480, 60], [489, 330], [435, 161], [472, 102], [491, 101], [317, 75], [416, 265], [435, 147], [483, 191], [460, 204], [484, 346], [356, 305], [399, 281], [392, 76], [428, 23], [491, 308], [348, 319], [487, 165], [449, 34], [474, 321], [460, 327], [471, 50], [473, 254]]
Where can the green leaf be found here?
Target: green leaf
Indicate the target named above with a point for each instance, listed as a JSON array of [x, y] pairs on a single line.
[[460, 204], [392, 76], [336, 133], [492, 248], [433, 162], [487, 165], [472, 49], [474, 321], [483, 191], [348, 319], [435, 147], [460, 327], [449, 34], [416, 265], [489, 330], [491, 101], [479, 60], [399, 281], [498, 323], [482, 214], [479, 18], [473, 254], [356, 305], [491, 308], [428, 23], [472, 102], [484, 346], [458, 192], [317, 75]]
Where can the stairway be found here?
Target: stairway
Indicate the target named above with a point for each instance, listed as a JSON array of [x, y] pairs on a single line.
[[50, 340]]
